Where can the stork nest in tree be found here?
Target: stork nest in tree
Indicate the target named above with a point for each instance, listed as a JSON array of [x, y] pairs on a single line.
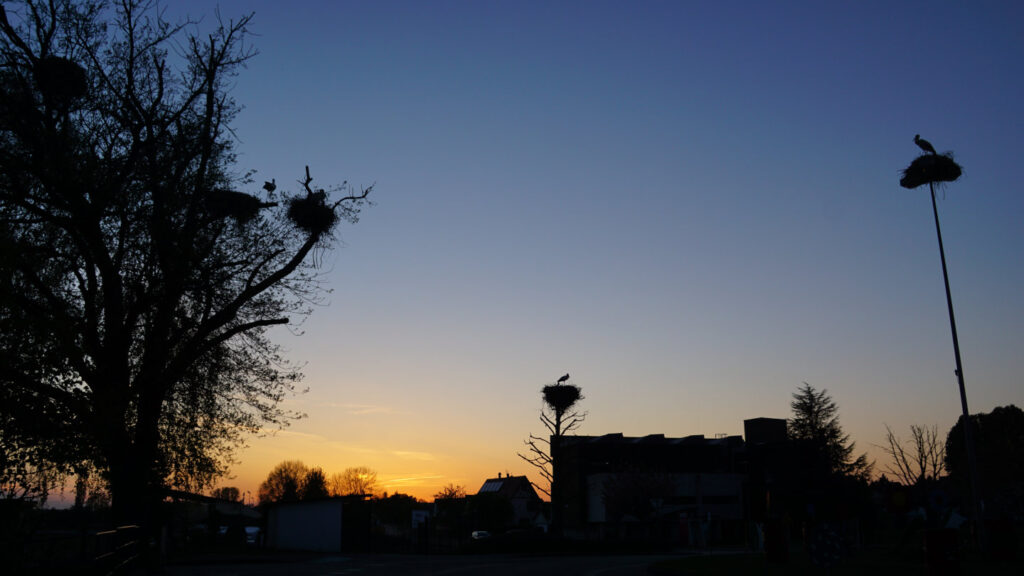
[[930, 168], [238, 205], [312, 214], [562, 396], [60, 80]]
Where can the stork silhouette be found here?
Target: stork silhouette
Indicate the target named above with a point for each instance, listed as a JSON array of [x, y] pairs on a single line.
[[563, 379], [270, 186], [924, 144]]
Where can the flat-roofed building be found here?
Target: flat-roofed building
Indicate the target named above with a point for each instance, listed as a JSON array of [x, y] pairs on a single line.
[[685, 490]]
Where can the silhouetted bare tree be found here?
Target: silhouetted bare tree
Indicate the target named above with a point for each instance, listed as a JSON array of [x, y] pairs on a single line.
[[283, 483], [137, 282], [314, 485], [358, 480], [923, 460], [227, 493], [450, 505], [451, 492], [559, 417]]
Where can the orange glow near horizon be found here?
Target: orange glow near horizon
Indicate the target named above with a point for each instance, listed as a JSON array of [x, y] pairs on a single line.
[[416, 473], [440, 431], [420, 482]]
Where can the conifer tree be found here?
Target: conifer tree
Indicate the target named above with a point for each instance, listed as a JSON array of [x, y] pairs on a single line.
[[815, 423]]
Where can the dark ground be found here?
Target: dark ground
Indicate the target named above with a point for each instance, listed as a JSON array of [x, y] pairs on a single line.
[[419, 565]]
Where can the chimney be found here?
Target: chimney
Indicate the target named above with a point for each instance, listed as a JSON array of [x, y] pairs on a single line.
[[499, 475]]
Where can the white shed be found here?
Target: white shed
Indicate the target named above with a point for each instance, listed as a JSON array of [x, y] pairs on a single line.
[[312, 525]]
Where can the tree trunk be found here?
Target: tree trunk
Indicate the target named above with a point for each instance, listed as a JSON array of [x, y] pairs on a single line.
[[128, 491], [557, 502], [130, 457]]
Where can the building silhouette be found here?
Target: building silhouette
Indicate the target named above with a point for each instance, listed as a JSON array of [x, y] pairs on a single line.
[[687, 491]]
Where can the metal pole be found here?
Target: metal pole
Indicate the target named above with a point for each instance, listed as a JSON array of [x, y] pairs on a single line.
[[972, 463]]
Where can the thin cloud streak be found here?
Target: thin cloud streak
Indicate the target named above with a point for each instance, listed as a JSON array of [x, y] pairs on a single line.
[[414, 455], [412, 480], [342, 446], [321, 439], [362, 409]]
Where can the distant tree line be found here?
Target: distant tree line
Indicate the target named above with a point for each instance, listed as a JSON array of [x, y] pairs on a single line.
[[229, 493], [292, 480]]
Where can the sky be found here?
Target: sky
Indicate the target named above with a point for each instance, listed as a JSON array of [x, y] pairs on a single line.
[[691, 207]]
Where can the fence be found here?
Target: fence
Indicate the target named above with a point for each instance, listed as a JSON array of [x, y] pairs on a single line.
[[117, 551], [108, 553]]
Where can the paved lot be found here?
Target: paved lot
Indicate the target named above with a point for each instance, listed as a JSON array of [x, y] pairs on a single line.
[[395, 565]]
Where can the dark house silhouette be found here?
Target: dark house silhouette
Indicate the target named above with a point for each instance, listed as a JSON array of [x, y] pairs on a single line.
[[527, 507]]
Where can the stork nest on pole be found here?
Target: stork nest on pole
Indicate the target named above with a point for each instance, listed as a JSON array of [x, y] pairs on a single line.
[[930, 169], [311, 214], [561, 397]]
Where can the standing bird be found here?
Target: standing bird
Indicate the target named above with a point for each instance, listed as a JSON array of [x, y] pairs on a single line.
[[563, 379], [924, 144], [270, 186]]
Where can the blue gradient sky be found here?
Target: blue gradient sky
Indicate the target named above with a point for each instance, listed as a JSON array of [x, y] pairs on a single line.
[[692, 207]]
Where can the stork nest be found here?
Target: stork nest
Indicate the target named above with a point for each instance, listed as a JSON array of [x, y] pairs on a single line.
[[929, 169], [561, 397], [238, 205], [61, 81], [311, 213]]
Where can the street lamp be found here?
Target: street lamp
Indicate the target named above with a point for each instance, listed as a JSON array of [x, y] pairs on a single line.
[[929, 168]]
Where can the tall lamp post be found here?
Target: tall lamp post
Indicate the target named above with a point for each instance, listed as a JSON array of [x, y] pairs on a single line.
[[932, 167]]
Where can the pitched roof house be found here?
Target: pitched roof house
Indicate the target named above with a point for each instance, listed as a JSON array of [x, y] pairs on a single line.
[[527, 507]]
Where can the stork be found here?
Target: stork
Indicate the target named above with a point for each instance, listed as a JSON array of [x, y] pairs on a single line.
[[270, 186], [563, 379], [924, 144]]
